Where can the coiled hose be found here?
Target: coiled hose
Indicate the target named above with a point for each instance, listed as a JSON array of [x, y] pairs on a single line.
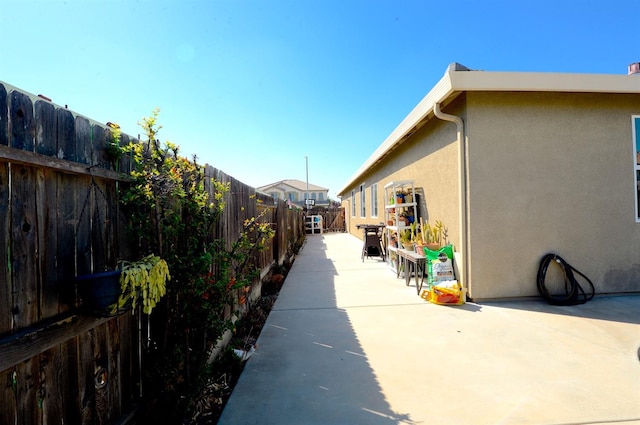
[[574, 293]]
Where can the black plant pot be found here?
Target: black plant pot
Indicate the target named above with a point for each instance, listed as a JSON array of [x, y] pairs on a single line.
[[99, 292]]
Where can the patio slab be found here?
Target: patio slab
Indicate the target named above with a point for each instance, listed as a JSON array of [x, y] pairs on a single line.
[[348, 343]]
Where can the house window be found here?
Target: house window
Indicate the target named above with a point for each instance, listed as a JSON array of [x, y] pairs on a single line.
[[635, 124], [313, 195], [292, 196], [374, 200], [363, 204], [274, 195], [320, 196], [353, 203]]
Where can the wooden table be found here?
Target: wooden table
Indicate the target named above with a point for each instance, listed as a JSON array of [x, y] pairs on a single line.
[[413, 263]]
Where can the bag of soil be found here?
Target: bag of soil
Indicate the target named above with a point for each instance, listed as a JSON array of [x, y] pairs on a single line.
[[439, 264]]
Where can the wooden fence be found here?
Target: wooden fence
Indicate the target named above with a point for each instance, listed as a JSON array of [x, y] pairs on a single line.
[[59, 218], [332, 218]]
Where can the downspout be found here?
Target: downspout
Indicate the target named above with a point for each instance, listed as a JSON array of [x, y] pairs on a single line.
[[462, 190]]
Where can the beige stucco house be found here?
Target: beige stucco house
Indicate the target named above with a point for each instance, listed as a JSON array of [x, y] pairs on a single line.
[[296, 191], [518, 165]]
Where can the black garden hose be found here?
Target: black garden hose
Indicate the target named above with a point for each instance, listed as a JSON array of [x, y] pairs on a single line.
[[574, 293]]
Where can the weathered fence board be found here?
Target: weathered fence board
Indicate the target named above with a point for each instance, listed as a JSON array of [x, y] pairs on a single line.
[[281, 239], [22, 123], [112, 346], [4, 120], [86, 371], [126, 367], [97, 154], [65, 251], [65, 135], [101, 244], [100, 383], [69, 380], [7, 397], [27, 392], [52, 367], [84, 142], [85, 204], [30, 342], [5, 270], [45, 128], [82, 228], [24, 270], [47, 202]]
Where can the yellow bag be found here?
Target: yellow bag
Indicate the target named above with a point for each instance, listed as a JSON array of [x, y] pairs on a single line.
[[444, 295]]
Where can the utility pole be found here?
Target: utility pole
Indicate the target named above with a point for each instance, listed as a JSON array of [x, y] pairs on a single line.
[[306, 195]]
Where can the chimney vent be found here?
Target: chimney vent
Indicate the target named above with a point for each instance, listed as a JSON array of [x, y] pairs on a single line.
[[634, 68]]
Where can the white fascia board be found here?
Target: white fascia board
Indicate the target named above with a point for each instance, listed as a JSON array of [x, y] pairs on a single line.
[[544, 82]]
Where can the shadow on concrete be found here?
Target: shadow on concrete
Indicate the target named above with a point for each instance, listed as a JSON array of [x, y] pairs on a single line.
[[614, 308], [309, 367], [332, 353]]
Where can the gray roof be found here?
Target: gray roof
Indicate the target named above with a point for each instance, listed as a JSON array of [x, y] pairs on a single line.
[[292, 184]]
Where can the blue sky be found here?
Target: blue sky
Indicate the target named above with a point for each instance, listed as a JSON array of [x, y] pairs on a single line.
[[254, 87]]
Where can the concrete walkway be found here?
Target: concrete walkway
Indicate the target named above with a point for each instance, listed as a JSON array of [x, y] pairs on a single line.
[[348, 343]]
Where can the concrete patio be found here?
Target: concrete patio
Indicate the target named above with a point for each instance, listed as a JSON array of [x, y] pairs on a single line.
[[348, 343]]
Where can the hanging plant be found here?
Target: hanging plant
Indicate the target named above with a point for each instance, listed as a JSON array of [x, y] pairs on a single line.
[[144, 279]]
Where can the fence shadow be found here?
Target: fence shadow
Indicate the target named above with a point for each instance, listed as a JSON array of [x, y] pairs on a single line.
[[310, 366]]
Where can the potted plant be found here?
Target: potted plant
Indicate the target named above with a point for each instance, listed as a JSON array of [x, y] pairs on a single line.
[[402, 218], [437, 235], [406, 239], [409, 216], [99, 291], [394, 240], [413, 230], [408, 197], [145, 279], [109, 292], [391, 221]]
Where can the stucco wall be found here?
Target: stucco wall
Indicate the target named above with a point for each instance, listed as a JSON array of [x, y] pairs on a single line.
[[551, 173], [429, 158], [548, 172]]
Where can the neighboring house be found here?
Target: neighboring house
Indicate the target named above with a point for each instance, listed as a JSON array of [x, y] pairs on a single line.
[[518, 165], [295, 191]]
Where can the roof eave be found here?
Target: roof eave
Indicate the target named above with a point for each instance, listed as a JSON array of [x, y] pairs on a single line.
[[458, 81], [440, 91], [544, 82]]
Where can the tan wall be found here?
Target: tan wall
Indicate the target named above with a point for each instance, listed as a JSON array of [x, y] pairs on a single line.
[[547, 173], [429, 158], [551, 173]]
